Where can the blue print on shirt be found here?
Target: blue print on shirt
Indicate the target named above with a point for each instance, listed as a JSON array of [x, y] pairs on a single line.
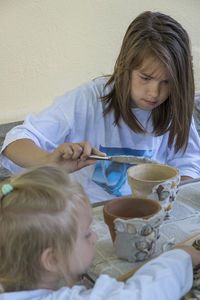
[[112, 176]]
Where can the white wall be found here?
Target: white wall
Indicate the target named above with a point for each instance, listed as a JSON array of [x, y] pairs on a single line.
[[50, 46]]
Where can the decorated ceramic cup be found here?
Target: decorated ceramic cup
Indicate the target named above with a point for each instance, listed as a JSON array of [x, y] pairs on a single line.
[[154, 181], [134, 226]]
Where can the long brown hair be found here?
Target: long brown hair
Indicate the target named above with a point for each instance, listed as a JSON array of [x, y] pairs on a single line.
[[153, 34], [41, 212]]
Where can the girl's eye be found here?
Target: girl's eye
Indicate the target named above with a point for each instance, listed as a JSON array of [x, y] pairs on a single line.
[[145, 78], [165, 81]]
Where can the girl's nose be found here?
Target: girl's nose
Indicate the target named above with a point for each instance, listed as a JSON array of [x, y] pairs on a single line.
[[153, 90]]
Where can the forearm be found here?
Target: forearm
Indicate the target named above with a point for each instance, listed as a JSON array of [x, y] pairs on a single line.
[[25, 153], [167, 277]]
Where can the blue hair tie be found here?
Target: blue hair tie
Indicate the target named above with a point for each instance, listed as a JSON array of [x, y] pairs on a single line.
[[6, 189]]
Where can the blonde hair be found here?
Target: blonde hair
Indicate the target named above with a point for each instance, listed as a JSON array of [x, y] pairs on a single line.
[[156, 35], [41, 212]]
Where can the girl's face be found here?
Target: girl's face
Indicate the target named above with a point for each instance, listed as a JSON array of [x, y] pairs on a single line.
[[84, 250], [149, 84]]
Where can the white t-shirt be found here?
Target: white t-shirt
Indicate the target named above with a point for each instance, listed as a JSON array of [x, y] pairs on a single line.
[[77, 116], [168, 277]]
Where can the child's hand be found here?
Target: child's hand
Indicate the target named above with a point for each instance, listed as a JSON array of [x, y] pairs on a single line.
[[73, 156]]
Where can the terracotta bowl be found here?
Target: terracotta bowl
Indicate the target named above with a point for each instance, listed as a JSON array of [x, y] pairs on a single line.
[[128, 208]]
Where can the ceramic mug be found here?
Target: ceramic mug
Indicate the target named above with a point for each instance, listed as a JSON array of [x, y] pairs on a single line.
[[154, 181]]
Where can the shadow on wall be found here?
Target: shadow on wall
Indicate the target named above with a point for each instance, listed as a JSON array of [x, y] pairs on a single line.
[[4, 128]]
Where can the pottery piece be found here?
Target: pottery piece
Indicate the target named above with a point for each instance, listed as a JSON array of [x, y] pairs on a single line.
[[154, 181], [128, 208], [134, 226], [140, 243]]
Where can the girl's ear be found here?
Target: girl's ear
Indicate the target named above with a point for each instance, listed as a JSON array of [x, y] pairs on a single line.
[[49, 260]]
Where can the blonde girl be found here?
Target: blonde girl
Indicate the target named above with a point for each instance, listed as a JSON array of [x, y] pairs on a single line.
[[39, 217]]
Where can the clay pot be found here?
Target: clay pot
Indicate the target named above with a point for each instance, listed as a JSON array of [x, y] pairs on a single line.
[[128, 208], [154, 181]]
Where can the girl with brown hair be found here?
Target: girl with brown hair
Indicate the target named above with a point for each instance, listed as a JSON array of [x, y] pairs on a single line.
[[143, 109]]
